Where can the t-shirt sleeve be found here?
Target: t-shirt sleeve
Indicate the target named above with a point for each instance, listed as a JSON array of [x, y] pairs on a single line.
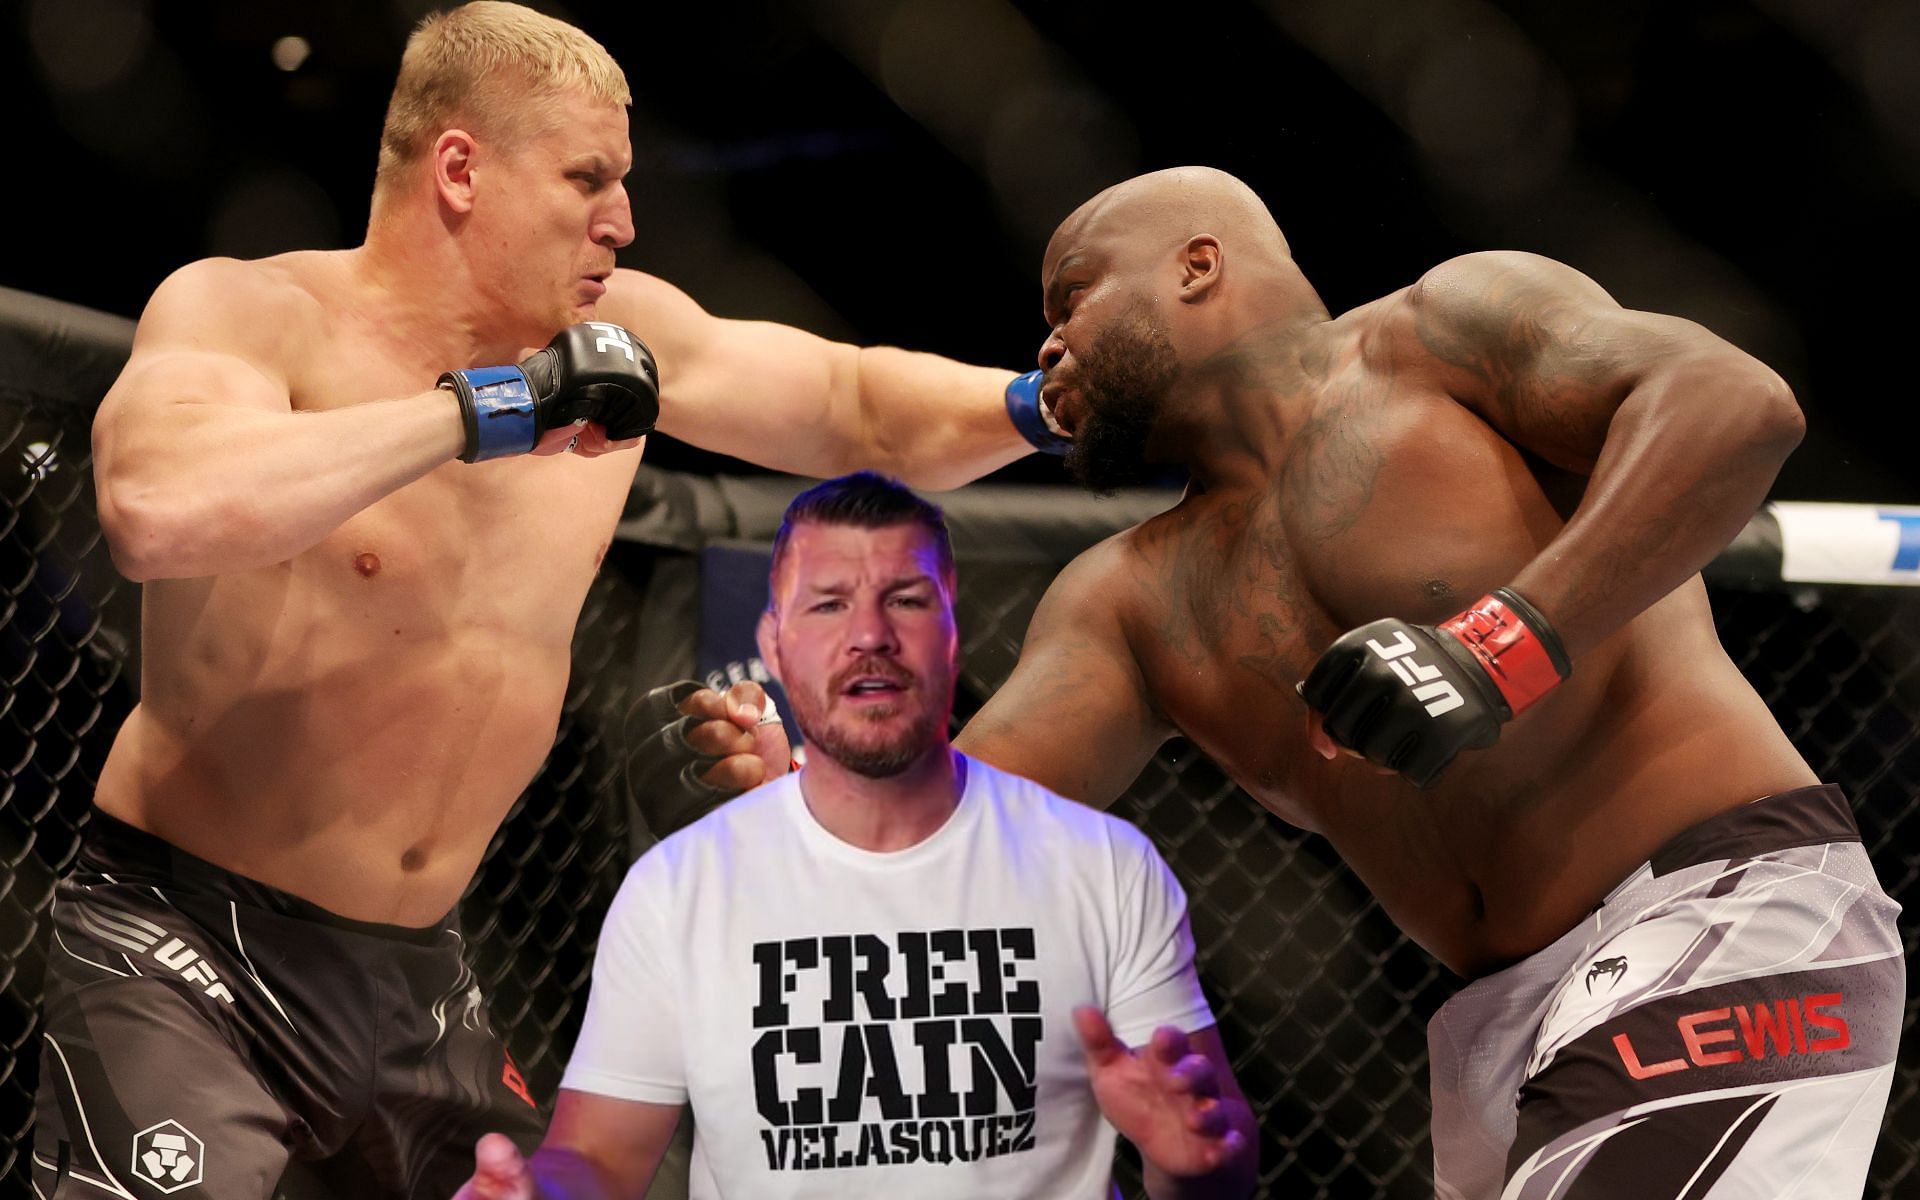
[[629, 1045], [1154, 981]]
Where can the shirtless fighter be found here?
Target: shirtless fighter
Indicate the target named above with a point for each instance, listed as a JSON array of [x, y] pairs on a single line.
[[361, 588], [1468, 517]]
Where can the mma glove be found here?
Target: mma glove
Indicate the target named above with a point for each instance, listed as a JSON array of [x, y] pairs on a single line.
[[1410, 697], [663, 768], [593, 371]]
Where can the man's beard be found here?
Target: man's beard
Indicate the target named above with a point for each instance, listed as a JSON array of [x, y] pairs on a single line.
[[850, 743], [1123, 379]]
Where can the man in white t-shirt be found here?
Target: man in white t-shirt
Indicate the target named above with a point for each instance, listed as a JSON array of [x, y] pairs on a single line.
[[898, 972]]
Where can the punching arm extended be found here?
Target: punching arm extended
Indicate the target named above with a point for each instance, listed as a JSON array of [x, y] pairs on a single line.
[[1680, 433], [786, 399]]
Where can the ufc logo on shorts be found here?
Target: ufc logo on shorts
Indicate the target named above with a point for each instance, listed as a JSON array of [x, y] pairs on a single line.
[[612, 336], [176, 956], [137, 935], [1423, 678]]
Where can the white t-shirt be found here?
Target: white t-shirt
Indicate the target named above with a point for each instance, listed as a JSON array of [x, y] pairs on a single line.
[[848, 1024]]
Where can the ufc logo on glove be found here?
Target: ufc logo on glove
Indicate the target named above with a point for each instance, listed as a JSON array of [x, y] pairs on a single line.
[[1474, 672], [1417, 674], [614, 336]]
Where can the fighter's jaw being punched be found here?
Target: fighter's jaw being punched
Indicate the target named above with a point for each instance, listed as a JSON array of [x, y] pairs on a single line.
[[1113, 399]]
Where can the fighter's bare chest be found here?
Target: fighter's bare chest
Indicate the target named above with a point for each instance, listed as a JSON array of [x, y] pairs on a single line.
[[1225, 622], [530, 529], [1239, 594]]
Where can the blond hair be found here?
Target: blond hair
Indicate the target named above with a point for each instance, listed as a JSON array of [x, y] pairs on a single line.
[[490, 66]]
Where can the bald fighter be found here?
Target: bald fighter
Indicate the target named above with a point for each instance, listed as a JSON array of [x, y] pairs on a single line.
[[1432, 592], [367, 491]]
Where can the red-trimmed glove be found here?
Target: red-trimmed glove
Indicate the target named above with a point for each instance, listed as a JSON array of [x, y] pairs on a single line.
[[1411, 697]]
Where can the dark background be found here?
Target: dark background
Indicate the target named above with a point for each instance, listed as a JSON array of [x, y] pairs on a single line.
[[888, 170]]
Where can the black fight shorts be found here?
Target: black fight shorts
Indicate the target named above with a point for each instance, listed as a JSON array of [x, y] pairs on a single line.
[[210, 1037]]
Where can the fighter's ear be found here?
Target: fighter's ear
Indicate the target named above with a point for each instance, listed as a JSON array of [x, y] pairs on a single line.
[[1201, 261], [453, 161]]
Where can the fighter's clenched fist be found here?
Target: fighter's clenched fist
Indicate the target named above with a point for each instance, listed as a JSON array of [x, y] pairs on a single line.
[[594, 371], [1410, 697]]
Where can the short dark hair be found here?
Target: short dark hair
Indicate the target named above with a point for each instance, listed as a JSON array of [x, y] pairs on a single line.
[[864, 500]]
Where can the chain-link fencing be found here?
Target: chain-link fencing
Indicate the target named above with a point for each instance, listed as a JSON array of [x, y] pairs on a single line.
[[1321, 1001]]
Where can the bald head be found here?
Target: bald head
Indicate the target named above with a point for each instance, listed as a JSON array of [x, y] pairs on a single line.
[[1142, 287], [1179, 234], [1165, 208]]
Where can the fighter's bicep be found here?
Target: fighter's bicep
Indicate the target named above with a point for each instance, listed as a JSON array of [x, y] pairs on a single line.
[[165, 392], [1075, 715], [1538, 350], [778, 396], [1069, 721], [216, 333], [198, 376], [753, 389]]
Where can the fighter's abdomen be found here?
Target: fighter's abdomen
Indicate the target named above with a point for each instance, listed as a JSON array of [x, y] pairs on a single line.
[[351, 725]]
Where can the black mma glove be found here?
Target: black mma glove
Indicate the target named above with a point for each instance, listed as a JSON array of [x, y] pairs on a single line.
[[1410, 697], [593, 371], [663, 769]]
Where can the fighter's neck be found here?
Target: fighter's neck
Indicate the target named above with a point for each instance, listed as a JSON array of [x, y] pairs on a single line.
[[884, 815], [423, 290], [1235, 412]]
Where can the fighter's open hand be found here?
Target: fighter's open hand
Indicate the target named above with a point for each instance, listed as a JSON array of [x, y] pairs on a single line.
[[499, 1173], [1164, 1097], [691, 748]]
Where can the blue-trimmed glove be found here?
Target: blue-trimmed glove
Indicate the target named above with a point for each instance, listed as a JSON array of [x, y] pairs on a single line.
[[593, 371], [1033, 422]]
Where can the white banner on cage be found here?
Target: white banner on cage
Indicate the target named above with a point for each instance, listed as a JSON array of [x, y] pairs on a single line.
[[1848, 543]]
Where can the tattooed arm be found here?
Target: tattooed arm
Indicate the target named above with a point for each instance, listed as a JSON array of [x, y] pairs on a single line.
[[1074, 716], [1680, 433]]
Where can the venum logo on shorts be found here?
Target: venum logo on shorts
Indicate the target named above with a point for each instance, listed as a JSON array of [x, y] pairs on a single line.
[[1439, 695], [169, 1157], [1611, 968]]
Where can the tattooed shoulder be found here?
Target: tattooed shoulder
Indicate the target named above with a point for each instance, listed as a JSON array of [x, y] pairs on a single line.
[[1531, 344]]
